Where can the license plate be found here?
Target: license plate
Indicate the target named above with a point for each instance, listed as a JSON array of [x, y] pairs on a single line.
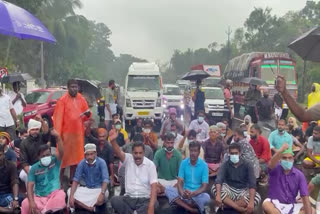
[[143, 113], [217, 114]]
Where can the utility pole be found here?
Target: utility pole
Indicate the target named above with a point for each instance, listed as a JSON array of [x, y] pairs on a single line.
[[228, 32], [43, 82]]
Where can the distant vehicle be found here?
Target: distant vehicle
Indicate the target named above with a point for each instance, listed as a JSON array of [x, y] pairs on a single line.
[[184, 85], [173, 97], [214, 103], [212, 82], [264, 65], [143, 93], [43, 102]]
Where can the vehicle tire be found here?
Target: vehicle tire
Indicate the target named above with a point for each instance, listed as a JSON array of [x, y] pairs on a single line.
[[48, 121]]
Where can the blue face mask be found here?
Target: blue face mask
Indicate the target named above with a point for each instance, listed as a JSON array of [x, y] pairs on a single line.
[[234, 158], [200, 119], [286, 165]]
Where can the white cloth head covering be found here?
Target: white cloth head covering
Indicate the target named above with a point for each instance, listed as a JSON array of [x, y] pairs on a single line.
[[214, 128], [90, 147], [221, 125], [33, 124]]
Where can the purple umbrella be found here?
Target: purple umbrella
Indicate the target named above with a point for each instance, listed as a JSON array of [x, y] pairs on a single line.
[[16, 21]]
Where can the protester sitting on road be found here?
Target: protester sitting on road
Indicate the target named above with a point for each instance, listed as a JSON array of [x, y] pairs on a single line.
[[94, 172], [235, 185], [16, 144], [315, 182], [247, 152], [246, 134], [248, 122], [313, 150], [265, 111], [115, 119], [213, 151], [9, 184], [278, 137], [303, 115], [9, 154], [295, 130], [228, 128], [122, 138], [140, 180], [167, 160], [137, 129], [30, 146], [148, 153], [285, 183], [262, 150], [44, 193], [166, 125], [297, 147], [177, 137], [201, 127], [183, 147], [104, 151], [309, 130], [150, 137], [190, 193]]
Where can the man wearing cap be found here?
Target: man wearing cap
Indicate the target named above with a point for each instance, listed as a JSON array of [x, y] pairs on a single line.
[[166, 126], [285, 182], [94, 172], [44, 193], [167, 161], [8, 116], [30, 146], [10, 155]]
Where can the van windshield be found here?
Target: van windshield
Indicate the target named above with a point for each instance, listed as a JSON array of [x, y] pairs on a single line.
[[143, 83], [172, 91]]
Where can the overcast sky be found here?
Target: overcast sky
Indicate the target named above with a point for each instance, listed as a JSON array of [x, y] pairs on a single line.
[[152, 29]]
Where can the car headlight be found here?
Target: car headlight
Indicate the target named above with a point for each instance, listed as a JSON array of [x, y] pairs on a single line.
[[128, 103], [158, 104], [29, 113]]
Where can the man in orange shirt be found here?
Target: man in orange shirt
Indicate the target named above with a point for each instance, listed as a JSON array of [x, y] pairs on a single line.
[[69, 115]]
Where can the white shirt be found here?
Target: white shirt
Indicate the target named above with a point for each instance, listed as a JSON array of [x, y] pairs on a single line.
[[203, 128], [18, 104], [5, 114], [177, 140], [138, 179]]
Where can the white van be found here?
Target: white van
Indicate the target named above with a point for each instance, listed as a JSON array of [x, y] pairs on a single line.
[[143, 93], [173, 97]]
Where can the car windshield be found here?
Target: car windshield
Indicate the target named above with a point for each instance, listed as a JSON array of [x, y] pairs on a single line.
[[213, 93], [37, 97], [143, 83], [172, 91]]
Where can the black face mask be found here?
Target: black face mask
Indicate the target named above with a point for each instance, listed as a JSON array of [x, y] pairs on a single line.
[[266, 95], [281, 131], [253, 137]]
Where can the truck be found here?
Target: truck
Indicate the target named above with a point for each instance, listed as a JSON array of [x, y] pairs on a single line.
[[263, 65], [143, 93]]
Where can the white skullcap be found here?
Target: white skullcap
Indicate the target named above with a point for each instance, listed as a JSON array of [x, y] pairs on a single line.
[[90, 147], [33, 124], [221, 125]]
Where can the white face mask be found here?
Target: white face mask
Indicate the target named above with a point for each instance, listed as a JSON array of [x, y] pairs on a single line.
[[147, 131], [92, 162], [45, 161]]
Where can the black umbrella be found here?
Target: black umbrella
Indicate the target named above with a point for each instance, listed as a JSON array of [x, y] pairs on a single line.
[[16, 77], [195, 75], [254, 81], [89, 87], [307, 46]]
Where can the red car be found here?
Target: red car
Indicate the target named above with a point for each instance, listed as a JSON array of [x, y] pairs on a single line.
[[42, 101]]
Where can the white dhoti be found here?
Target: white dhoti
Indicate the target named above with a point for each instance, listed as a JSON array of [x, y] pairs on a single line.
[[167, 183], [87, 196], [286, 208]]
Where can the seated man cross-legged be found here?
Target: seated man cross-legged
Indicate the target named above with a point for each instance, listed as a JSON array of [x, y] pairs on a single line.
[[44, 193], [313, 150], [93, 170], [285, 182], [236, 183], [192, 183]]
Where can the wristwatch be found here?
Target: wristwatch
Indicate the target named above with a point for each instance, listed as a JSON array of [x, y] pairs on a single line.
[[16, 198]]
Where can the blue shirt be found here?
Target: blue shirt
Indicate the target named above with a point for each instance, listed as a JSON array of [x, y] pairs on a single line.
[[276, 140], [193, 176], [93, 175]]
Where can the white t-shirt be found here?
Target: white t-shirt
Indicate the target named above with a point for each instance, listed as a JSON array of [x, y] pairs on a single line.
[[177, 140], [18, 104], [138, 179], [5, 114], [203, 128]]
